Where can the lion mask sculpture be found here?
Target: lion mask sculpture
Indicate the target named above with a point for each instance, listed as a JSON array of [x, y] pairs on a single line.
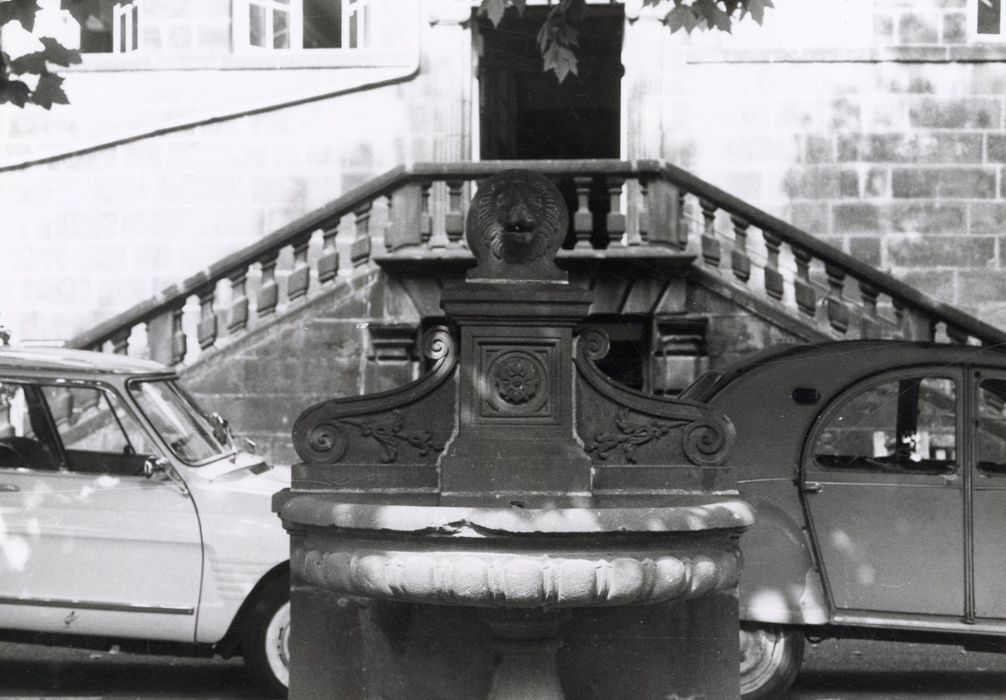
[[518, 216]]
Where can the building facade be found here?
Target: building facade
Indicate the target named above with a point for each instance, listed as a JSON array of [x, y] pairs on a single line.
[[196, 127]]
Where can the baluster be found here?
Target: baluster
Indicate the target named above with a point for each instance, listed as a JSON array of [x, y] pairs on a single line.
[[268, 291], [120, 341], [914, 324], [711, 251], [615, 220], [956, 335], [583, 220], [454, 221], [774, 285], [239, 300], [425, 219], [405, 217], [300, 277], [438, 215], [328, 262], [870, 325], [838, 310], [640, 231], [806, 297], [739, 260], [206, 329], [676, 222], [179, 343], [359, 250]]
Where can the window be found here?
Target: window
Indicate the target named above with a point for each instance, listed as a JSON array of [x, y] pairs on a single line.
[[304, 24], [992, 427], [191, 436], [986, 20], [91, 420], [908, 425], [79, 428], [112, 26]]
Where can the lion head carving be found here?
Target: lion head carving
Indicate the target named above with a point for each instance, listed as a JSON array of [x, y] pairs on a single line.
[[517, 216]]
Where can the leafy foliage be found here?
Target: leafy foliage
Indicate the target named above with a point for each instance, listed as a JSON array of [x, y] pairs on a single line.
[[559, 33], [28, 79]]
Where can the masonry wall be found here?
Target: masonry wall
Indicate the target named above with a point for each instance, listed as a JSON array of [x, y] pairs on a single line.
[[878, 126], [159, 169]]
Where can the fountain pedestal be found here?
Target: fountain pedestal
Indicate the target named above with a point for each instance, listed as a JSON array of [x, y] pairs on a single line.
[[513, 524]]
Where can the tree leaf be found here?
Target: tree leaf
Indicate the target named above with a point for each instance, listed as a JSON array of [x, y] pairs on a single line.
[[29, 63], [712, 14], [756, 8], [681, 17], [57, 53], [78, 9], [561, 61], [49, 92], [15, 92], [24, 12], [493, 9], [520, 6]]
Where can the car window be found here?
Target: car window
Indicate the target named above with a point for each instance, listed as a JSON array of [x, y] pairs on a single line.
[[187, 431], [907, 424], [992, 427], [25, 441], [98, 434]]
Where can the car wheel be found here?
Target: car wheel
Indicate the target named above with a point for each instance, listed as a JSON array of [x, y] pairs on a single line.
[[770, 659], [265, 639]]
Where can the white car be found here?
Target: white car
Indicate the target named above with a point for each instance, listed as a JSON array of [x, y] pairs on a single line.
[[128, 514]]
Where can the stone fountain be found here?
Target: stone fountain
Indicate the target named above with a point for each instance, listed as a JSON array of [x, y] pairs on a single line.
[[514, 524]]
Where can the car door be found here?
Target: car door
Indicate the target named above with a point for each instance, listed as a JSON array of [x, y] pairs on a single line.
[[988, 485], [90, 545], [884, 492]]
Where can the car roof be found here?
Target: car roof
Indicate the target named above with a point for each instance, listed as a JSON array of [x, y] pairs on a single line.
[[872, 353], [66, 359]]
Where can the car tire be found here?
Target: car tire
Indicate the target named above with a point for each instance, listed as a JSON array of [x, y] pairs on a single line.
[[265, 639], [769, 661]]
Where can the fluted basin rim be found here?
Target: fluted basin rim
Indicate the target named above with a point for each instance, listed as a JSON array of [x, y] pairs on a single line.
[[321, 511]]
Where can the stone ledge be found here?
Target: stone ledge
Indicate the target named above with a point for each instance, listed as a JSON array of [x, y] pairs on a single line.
[[421, 260], [694, 513], [977, 53]]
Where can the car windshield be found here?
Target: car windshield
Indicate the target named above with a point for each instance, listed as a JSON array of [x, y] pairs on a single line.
[[187, 430]]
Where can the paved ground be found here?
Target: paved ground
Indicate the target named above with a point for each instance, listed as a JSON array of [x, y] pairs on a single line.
[[891, 671], [832, 671]]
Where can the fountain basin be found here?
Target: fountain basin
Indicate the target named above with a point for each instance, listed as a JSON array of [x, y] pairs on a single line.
[[517, 557]]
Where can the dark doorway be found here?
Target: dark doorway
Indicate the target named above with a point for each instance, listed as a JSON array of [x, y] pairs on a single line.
[[526, 113]]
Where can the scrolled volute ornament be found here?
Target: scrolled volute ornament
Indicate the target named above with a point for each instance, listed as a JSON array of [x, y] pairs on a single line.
[[593, 344], [437, 343], [327, 441], [706, 442]]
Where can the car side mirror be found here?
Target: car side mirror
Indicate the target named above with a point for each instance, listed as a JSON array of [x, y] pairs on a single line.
[[154, 465], [221, 429]]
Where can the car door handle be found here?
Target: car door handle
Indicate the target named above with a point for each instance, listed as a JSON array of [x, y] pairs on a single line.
[[9, 488], [812, 487]]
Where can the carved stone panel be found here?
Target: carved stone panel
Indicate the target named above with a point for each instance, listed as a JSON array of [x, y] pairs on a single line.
[[517, 384]]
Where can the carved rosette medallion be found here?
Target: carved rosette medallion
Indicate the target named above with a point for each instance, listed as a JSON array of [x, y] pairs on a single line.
[[516, 382]]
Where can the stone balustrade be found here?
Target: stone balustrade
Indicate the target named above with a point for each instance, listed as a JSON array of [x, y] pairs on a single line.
[[413, 217]]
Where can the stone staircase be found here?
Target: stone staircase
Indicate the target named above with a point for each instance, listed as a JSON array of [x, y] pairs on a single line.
[[685, 276]]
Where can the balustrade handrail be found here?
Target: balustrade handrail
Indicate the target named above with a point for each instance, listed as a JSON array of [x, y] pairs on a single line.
[[345, 204], [789, 233], [645, 172]]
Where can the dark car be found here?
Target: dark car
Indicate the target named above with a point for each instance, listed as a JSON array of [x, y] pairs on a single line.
[[878, 474]]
